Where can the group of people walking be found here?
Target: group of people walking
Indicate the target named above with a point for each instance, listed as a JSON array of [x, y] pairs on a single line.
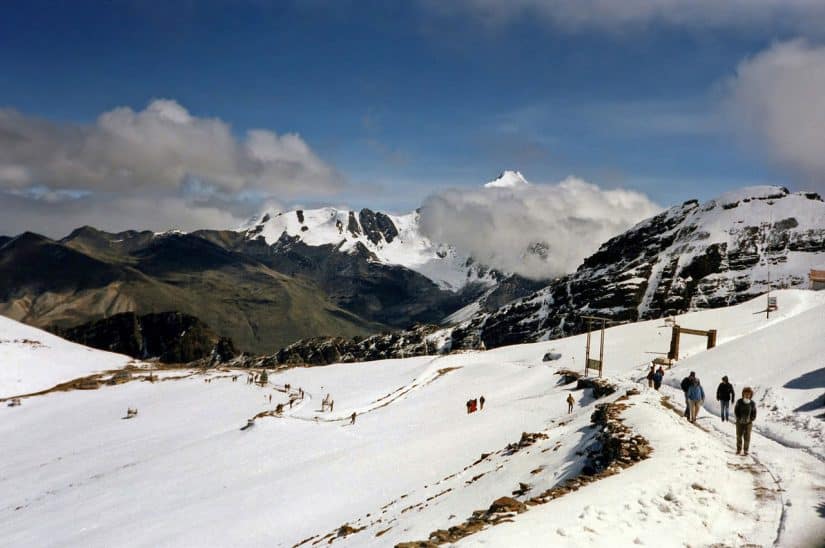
[[655, 376], [475, 405], [744, 409]]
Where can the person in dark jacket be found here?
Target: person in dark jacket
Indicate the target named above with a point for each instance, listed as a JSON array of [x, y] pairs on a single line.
[[658, 376], [650, 375], [687, 382], [745, 413], [725, 395], [481, 403]]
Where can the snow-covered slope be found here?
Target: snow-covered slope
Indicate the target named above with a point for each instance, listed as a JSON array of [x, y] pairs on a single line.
[[32, 359], [415, 461], [391, 239]]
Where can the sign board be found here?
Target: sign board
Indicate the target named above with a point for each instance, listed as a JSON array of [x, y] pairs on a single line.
[[772, 303]]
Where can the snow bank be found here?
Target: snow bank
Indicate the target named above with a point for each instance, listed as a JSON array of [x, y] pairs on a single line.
[[32, 359]]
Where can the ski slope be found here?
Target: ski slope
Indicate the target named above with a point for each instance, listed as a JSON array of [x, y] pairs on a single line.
[[182, 473], [32, 359]]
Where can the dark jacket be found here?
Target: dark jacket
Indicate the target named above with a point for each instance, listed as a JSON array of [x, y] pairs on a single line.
[[686, 382], [725, 392], [745, 413]]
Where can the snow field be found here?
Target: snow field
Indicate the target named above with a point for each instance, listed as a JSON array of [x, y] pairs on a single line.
[[32, 359]]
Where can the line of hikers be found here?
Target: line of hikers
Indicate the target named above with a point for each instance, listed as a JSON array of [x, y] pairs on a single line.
[[473, 405], [744, 409]]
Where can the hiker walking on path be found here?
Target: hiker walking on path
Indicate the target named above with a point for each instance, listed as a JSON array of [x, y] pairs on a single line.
[[686, 384], [696, 396], [352, 418], [745, 413], [650, 375], [725, 395], [570, 402], [658, 376], [469, 404], [481, 403]]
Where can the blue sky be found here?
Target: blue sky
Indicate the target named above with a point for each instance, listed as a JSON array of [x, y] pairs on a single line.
[[401, 99]]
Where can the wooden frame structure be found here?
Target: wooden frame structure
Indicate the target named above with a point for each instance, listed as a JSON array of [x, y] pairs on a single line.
[[588, 362], [677, 333]]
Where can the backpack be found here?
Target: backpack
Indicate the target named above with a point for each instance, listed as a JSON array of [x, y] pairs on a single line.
[[685, 384]]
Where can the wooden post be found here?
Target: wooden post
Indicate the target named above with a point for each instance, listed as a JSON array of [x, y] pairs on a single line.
[[711, 338], [587, 350], [674, 343]]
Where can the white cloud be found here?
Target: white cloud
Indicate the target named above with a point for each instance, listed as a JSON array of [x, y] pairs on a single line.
[[617, 15], [776, 99], [499, 226], [194, 169]]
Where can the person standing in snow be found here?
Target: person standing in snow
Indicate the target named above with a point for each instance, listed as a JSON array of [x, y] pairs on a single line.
[[696, 395], [745, 413], [725, 395], [469, 405], [650, 375], [481, 403], [657, 378], [570, 402], [352, 418], [685, 384]]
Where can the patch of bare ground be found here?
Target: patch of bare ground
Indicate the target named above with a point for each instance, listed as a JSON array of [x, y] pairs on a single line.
[[616, 447], [107, 378]]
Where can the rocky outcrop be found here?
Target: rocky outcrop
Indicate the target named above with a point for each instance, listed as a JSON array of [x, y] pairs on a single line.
[[421, 340], [171, 337], [689, 257]]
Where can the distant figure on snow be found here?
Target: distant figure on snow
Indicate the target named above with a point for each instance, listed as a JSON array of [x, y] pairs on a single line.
[[570, 402], [352, 418], [658, 376], [725, 395], [469, 404], [745, 413], [650, 375], [331, 405], [481, 403], [686, 383], [696, 395]]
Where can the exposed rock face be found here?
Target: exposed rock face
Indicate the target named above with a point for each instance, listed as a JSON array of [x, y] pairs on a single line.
[[170, 336], [377, 226], [689, 257], [421, 340]]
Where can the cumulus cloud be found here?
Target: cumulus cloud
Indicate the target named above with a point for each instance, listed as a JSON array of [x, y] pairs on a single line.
[[194, 170], [776, 99], [538, 231], [574, 15]]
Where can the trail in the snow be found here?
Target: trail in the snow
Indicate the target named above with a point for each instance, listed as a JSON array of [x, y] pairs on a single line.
[[715, 431]]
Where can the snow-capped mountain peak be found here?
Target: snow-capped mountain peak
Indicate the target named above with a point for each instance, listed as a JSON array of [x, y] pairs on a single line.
[[508, 179], [391, 239]]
